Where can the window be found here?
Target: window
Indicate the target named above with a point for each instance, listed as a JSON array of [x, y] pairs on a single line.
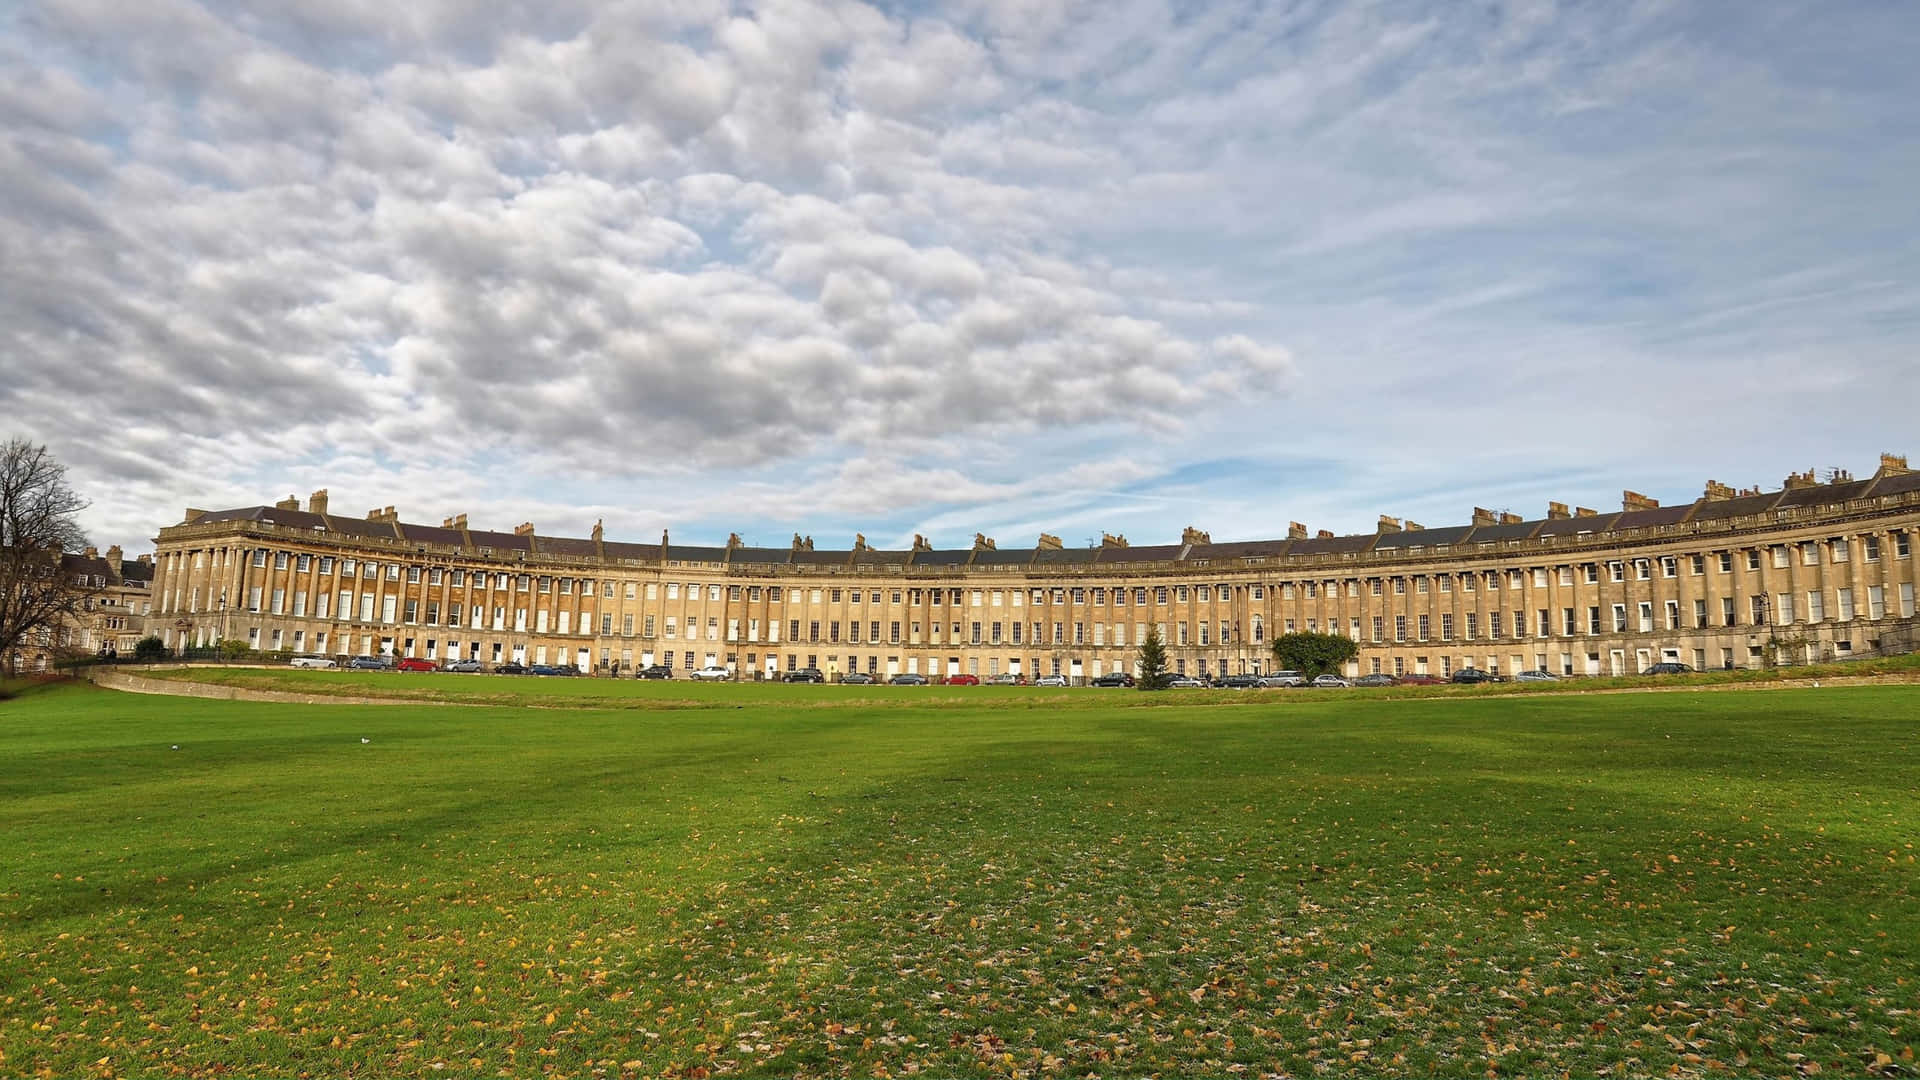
[[1593, 619], [1726, 611], [1539, 577], [1840, 549], [259, 556], [1843, 607], [1646, 617], [1699, 613], [1616, 571], [1379, 624], [1669, 566], [1673, 614], [1902, 545], [1619, 618], [1871, 548], [1445, 580], [1753, 558], [1544, 620], [1699, 564], [1473, 624], [1399, 587], [1780, 556], [1569, 622], [1566, 575], [1446, 626], [1494, 626], [1809, 553], [1906, 600], [1816, 606], [1399, 628]]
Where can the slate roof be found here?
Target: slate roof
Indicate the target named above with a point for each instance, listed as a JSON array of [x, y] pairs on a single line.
[[1572, 526], [1721, 509], [432, 534], [944, 557], [500, 541], [560, 545], [761, 556]]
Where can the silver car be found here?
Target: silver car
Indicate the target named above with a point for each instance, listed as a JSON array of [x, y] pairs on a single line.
[[1050, 680], [1334, 681]]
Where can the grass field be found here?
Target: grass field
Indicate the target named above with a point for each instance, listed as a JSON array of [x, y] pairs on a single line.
[[788, 883]]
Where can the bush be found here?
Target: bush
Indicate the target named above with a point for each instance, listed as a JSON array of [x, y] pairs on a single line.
[[1314, 654], [150, 648], [232, 649]]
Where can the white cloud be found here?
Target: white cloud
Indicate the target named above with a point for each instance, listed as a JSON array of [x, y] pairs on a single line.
[[933, 265]]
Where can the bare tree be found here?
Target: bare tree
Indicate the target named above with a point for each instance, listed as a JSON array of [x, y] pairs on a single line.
[[36, 528]]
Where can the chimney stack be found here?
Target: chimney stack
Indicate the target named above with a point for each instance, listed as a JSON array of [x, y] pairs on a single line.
[[115, 557], [1484, 516], [525, 528], [1510, 519], [1109, 540], [1388, 524], [385, 515], [983, 542], [1717, 491], [921, 543], [1192, 535], [1797, 480], [1049, 542], [317, 502], [1557, 511], [91, 552], [1585, 511], [599, 530], [1633, 500], [1324, 534], [1892, 465], [1296, 531], [288, 503]]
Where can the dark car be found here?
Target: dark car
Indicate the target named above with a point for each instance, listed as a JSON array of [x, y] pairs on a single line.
[[908, 679], [1112, 678], [806, 674], [1474, 675], [857, 678], [1238, 682], [655, 671], [1374, 680], [370, 663], [553, 669], [510, 668], [963, 680], [1668, 668], [1422, 680]]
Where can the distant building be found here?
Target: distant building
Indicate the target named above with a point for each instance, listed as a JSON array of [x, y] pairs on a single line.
[[1813, 571], [110, 621]]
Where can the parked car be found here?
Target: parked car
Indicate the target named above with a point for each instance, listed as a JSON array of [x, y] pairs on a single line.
[[1536, 676], [1374, 680], [462, 665], [655, 671], [313, 662], [1668, 668], [1113, 678], [806, 674], [1282, 678], [1050, 680], [908, 678], [1237, 682], [963, 680], [1421, 680], [1330, 681], [414, 663], [857, 678], [510, 668], [1473, 675], [370, 663], [553, 669], [710, 673], [1007, 678], [1184, 682]]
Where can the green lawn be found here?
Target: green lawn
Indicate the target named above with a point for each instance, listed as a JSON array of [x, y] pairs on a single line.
[[830, 881]]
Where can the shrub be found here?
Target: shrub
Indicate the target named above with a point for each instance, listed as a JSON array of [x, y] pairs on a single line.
[[150, 648]]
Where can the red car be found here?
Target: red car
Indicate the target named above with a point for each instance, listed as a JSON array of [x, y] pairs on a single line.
[[414, 663], [963, 680]]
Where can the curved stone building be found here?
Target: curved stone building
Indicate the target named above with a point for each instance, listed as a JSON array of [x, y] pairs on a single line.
[[1817, 570]]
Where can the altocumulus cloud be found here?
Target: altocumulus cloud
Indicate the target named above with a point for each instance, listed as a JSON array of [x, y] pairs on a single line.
[[816, 262]]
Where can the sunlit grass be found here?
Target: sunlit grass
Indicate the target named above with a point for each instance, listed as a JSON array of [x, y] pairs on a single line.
[[835, 884]]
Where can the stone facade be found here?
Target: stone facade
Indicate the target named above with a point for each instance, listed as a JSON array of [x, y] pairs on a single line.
[[110, 620], [1814, 571]]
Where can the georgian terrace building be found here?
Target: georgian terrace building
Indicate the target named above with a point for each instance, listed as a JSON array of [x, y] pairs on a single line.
[[1814, 571]]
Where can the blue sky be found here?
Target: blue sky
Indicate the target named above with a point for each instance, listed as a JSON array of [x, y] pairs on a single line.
[[1000, 266]]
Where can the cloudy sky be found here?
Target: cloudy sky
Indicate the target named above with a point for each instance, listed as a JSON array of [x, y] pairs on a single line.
[[994, 265]]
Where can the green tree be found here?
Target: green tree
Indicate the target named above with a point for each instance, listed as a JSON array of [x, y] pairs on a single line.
[[1153, 660], [232, 649], [149, 649], [1314, 654]]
